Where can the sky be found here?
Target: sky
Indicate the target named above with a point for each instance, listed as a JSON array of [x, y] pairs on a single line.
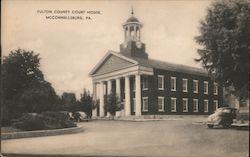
[[70, 48]]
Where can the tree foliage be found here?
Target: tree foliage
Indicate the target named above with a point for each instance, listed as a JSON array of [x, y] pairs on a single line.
[[68, 101], [112, 104], [24, 88], [87, 102], [224, 36]]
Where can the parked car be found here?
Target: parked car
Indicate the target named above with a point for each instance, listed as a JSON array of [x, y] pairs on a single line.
[[70, 114], [80, 116], [223, 116]]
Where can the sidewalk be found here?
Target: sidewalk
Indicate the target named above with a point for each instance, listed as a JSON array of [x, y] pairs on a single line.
[[156, 117]]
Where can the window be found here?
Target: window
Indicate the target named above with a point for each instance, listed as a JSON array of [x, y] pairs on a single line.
[[215, 89], [173, 104], [160, 82], [195, 83], [184, 85], [215, 104], [185, 104], [173, 83], [205, 87], [160, 103], [145, 103], [195, 108], [144, 83], [205, 105]]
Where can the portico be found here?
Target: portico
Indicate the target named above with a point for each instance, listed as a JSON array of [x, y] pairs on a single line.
[[123, 82]]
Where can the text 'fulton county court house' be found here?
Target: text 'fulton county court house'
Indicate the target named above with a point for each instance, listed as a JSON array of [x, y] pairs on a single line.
[[150, 87]]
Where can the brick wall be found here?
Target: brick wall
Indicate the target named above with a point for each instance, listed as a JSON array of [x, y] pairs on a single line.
[[152, 93]]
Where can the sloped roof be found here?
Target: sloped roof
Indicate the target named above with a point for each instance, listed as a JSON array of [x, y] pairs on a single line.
[[152, 63]]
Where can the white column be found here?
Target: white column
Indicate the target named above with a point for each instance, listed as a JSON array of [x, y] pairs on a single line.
[[118, 93], [94, 111], [135, 35], [129, 37], [138, 95], [127, 96], [101, 99], [109, 87]]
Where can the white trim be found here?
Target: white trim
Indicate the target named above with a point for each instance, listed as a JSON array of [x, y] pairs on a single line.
[[197, 86], [143, 105], [216, 91], [133, 70], [205, 85], [215, 103], [143, 83], [185, 99], [174, 104], [197, 107], [106, 57], [162, 99], [185, 79], [173, 78], [138, 95], [123, 57], [162, 77], [205, 108]]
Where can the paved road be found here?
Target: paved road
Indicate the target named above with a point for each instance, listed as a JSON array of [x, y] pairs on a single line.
[[175, 138]]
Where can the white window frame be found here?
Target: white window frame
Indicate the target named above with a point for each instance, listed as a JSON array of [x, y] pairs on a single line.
[[197, 86], [162, 77], [185, 80], [186, 104], [216, 88], [205, 83], [205, 105], [196, 100], [143, 83], [143, 104], [174, 104], [162, 99], [216, 106], [173, 78]]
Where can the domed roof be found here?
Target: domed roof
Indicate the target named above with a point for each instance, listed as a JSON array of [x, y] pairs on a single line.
[[132, 19]]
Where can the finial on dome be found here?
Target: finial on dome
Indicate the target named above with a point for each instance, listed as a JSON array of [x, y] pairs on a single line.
[[132, 12]]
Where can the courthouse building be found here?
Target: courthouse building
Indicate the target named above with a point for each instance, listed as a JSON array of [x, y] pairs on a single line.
[[151, 87]]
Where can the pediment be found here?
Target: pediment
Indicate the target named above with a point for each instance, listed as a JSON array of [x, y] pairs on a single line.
[[112, 62]]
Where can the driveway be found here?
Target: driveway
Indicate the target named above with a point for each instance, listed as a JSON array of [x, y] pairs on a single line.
[[175, 138]]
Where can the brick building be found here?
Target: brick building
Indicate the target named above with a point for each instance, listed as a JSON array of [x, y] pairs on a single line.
[[151, 87]]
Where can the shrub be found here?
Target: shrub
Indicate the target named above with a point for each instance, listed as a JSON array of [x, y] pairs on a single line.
[[28, 122], [44, 121]]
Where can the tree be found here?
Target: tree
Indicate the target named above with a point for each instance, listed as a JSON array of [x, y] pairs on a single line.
[[224, 36], [87, 102], [112, 104], [38, 98], [23, 84], [68, 101]]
